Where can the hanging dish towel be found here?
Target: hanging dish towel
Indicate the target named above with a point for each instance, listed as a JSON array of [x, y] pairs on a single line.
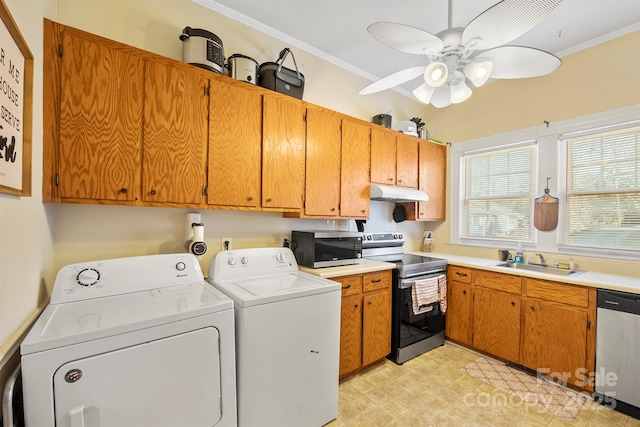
[[423, 294], [442, 293]]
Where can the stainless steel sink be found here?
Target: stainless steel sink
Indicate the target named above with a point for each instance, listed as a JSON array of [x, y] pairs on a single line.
[[539, 268]]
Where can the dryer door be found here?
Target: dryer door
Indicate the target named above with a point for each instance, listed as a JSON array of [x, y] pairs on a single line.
[[174, 381]]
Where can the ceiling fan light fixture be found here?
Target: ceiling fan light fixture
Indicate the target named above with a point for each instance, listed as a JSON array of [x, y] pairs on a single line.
[[424, 92], [436, 74], [478, 72], [460, 92]]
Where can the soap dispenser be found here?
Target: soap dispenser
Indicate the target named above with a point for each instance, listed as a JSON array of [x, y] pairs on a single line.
[[519, 258]]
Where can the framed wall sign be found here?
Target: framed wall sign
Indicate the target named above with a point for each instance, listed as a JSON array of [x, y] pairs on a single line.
[[16, 107]]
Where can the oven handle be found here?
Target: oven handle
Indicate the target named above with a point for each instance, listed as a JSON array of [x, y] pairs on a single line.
[[408, 283]]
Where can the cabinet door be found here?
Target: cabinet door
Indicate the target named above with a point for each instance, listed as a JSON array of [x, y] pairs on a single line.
[[356, 161], [376, 330], [383, 157], [175, 134], [322, 186], [458, 323], [407, 161], [282, 153], [496, 323], [554, 340], [100, 120], [235, 138], [351, 334], [433, 181]]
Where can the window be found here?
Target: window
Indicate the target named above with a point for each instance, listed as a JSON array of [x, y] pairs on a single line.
[[601, 188], [497, 188]]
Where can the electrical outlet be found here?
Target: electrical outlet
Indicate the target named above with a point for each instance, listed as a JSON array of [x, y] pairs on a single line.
[[225, 244]]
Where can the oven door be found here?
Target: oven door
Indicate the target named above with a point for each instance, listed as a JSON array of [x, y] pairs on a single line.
[[409, 330]]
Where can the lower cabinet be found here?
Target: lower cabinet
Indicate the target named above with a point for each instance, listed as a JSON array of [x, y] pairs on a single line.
[[365, 328], [542, 325]]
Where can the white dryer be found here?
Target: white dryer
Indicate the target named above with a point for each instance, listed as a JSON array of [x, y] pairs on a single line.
[[287, 337], [139, 341]]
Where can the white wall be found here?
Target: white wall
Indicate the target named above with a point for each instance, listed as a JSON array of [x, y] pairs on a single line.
[[26, 241]]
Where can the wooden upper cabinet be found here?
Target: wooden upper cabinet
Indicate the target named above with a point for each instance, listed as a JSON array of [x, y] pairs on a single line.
[[432, 171], [356, 154], [100, 122], [383, 157], [234, 146], [175, 134], [322, 193], [283, 153], [407, 161]]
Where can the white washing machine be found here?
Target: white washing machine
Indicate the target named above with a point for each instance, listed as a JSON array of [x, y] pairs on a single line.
[[287, 337], [140, 341]]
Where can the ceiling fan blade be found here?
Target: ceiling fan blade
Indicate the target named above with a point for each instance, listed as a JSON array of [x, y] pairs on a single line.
[[405, 38], [517, 62], [394, 79], [506, 21]]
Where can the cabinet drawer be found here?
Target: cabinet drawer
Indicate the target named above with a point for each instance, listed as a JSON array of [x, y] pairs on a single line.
[[459, 274], [554, 291], [351, 285], [377, 280], [497, 281]]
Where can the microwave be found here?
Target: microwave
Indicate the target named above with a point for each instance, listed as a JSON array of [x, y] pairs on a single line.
[[317, 249]]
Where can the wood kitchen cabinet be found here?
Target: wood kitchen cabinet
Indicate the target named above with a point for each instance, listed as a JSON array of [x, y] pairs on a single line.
[[174, 145], [235, 146], [432, 179], [558, 330], [323, 149], [394, 158], [93, 117], [283, 153], [365, 328], [355, 165], [458, 316]]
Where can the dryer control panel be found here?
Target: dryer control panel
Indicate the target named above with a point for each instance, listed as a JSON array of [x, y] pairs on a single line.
[[252, 262], [96, 279]]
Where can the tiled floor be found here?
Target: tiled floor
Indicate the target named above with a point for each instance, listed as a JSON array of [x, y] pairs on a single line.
[[430, 390]]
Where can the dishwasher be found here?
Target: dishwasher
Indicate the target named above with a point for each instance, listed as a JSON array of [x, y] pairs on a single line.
[[617, 349]]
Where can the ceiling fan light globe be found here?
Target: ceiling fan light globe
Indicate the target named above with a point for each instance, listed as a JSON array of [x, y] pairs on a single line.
[[424, 92], [460, 92], [478, 72], [436, 74]]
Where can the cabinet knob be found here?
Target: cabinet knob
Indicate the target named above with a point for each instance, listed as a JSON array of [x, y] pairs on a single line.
[[375, 281], [250, 199], [513, 303], [123, 190], [390, 179], [153, 192], [363, 211], [356, 305], [346, 287], [268, 200], [464, 292], [369, 303], [399, 180], [333, 209], [461, 274], [533, 308]]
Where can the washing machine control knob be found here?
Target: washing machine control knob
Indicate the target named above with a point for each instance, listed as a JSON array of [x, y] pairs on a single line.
[[88, 277], [280, 257], [231, 261], [244, 260], [181, 266]]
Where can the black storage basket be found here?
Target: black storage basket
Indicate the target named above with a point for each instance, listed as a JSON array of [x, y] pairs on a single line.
[[276, 77]]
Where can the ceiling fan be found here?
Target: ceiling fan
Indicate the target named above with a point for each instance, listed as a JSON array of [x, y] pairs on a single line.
[[458, 56]]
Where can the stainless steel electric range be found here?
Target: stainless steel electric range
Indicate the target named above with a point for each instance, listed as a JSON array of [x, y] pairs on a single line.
[[411, 334]]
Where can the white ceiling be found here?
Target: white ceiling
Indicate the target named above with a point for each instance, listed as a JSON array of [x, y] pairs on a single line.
[[336, 30]]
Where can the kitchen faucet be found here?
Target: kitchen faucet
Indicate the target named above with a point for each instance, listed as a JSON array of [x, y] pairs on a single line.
[[542, 260]]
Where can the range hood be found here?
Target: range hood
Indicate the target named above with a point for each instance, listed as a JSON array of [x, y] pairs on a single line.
[[389, 193]]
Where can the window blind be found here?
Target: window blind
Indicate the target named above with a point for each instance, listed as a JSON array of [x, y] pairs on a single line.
[[601, 189], [499, 186]]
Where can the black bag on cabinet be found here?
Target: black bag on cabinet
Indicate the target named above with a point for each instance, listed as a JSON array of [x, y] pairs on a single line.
[[275, 76]]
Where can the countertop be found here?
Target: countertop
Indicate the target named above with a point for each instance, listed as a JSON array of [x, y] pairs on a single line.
[[366, 266], [585, 278]]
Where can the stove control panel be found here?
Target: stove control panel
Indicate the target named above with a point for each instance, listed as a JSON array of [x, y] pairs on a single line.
[[382, 238]]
